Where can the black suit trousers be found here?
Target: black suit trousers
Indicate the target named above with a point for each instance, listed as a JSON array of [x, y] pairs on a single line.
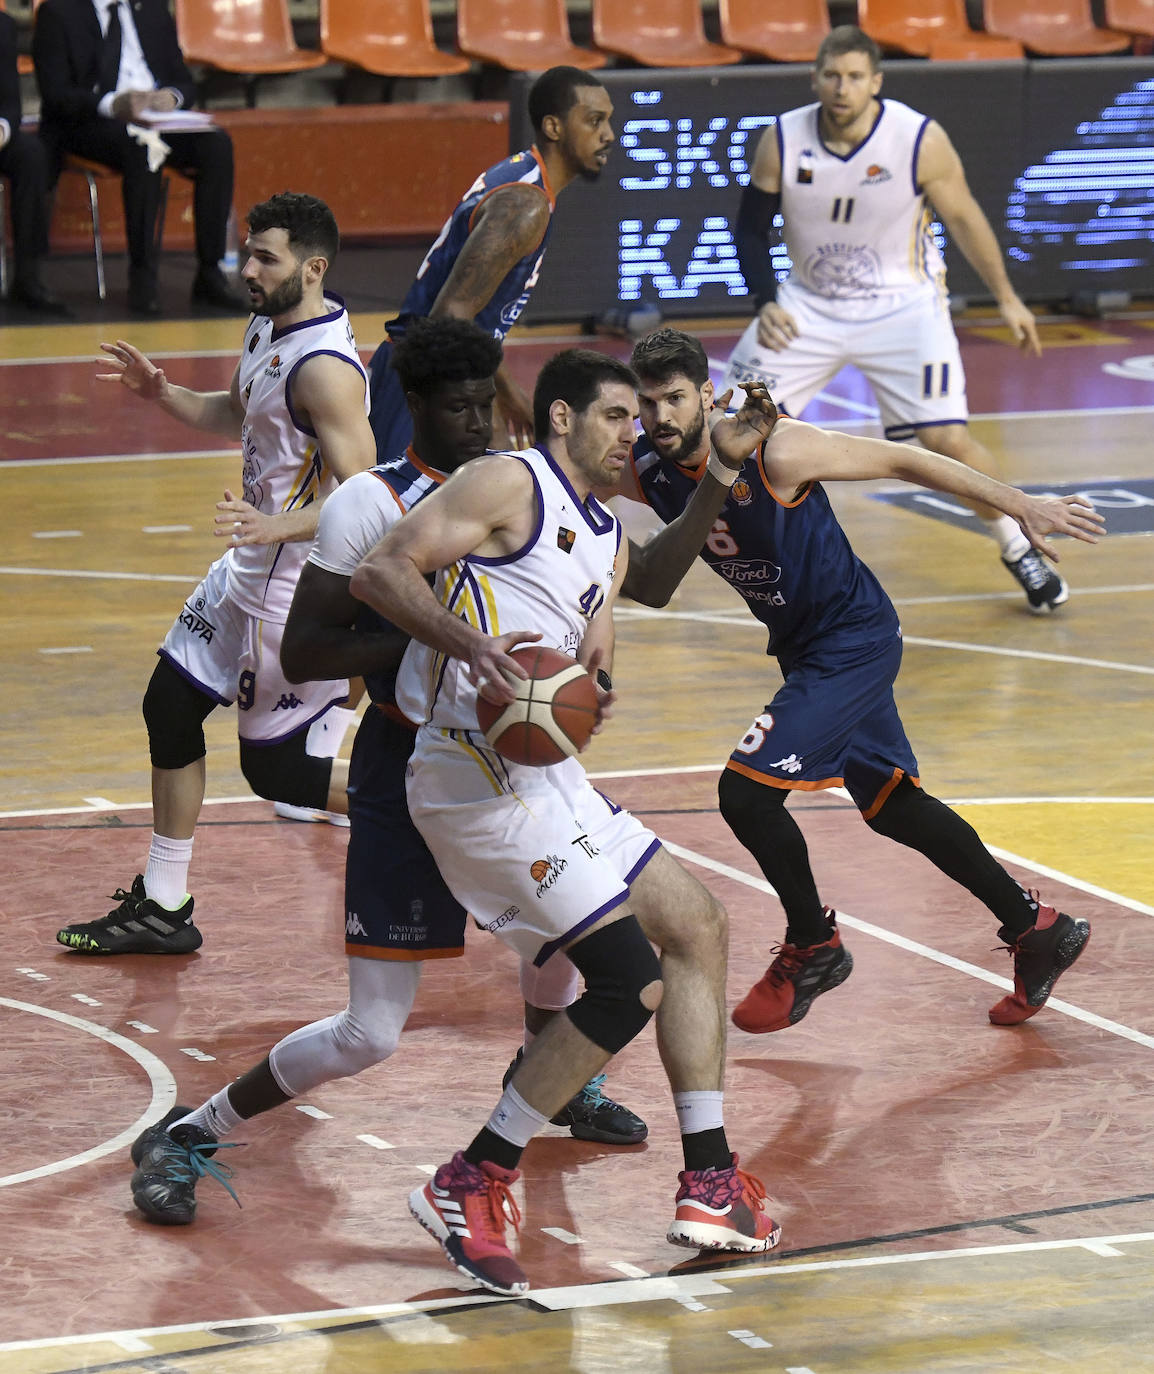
[[205, 157], [24, 161]]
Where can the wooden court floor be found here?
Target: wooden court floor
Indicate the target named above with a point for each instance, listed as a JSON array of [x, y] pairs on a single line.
[[954, 1196]]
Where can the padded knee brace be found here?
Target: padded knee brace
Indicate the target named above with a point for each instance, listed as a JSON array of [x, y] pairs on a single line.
[[286, 772], [618, 963], [174, 712]]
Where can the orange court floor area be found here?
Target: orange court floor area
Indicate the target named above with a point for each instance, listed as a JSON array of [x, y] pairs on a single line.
[[954, 1196]]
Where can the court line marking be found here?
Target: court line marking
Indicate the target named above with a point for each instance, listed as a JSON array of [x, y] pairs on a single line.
[[121, 458], [94, 576], [902, 942], [655, 1288], [159, 1076], [747, 621]]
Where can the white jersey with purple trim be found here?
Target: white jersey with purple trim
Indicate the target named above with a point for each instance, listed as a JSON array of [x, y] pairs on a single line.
[[555, 585], [284, 469], [857, 227]]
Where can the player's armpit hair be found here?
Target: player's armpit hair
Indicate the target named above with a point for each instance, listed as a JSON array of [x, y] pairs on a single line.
[[755, 216], [174, 713], [618, 963], [286, 772]]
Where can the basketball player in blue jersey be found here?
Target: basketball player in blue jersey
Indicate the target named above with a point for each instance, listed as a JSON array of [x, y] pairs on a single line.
[[398, 911], [853, 177], [487, 257], [297, 402], [837, 640]]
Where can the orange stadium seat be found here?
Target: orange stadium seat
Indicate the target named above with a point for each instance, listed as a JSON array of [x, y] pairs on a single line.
[[386, 37], [521, 35], [658, 33], [23, 61], [1053, 28], [248, 37], [782, 30], [931, 28], [1131, 16]]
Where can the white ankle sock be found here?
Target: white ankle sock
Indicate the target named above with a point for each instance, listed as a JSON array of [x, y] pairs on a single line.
[[699, 1111], [1008, 535], [166, 877], [217, 1116], [514, 1120]]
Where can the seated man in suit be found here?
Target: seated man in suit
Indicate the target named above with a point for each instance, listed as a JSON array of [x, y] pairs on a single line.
[[24, 162], [100, 66]]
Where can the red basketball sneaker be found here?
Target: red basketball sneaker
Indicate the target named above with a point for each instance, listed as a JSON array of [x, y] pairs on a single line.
[[466, 1207], [722, 1209], [786, 991], [1041, 956]]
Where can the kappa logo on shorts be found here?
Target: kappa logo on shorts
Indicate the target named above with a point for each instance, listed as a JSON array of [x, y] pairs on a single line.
[[192, 618], [790, 764], [353, 926], [545, 872], [509, 914], [289, 701]]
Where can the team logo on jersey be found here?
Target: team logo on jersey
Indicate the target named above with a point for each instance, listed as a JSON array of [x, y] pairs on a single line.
[[565, 539], [545, 872], [252, 343], [805, 167], [843, 270], [741, 493], [875, 175], [273, 368]]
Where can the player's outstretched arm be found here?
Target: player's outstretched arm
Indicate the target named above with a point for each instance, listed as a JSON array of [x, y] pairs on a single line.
[[797, 453], [487, 506], [219, 412], [942, 177]]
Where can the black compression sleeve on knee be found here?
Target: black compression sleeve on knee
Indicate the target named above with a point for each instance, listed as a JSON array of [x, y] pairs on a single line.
[[287, 772], [617, 963], [174, 712], [913, 818], [757, 815]]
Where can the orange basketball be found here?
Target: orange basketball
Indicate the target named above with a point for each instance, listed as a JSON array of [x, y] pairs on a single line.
[[553, 715]]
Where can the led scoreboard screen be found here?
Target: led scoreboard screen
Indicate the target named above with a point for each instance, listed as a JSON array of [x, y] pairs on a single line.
[[1060, 156]]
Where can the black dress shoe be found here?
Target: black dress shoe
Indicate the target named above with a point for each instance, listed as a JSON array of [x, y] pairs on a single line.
[[32, 295], [142, 301], [210, 287]]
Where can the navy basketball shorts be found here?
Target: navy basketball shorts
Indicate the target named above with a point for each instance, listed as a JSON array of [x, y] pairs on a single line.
[[396, 903], [834, 723]]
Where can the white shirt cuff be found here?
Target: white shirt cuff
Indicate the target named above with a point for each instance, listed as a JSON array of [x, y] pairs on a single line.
[[105, 105]]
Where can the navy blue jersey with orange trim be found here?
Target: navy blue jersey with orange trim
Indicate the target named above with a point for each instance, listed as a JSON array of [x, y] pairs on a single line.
[[785, 554], [512, 295]]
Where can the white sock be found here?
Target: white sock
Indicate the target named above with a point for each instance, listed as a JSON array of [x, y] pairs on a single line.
[[166, 877], [1008, 535], [514, 1120], [699, 1111], [327, 733], [217, 1116]]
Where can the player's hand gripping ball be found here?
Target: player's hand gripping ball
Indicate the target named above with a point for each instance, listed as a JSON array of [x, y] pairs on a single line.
[[553, 715]]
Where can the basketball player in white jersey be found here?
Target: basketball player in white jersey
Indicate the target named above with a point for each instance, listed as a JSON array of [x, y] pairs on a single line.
[[298, 402], [853, 177], [523, 551]]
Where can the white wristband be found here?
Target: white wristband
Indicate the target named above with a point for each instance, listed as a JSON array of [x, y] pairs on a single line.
[[720, 472]]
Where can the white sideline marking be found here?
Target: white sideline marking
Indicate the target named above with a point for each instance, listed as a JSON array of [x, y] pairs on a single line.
[[100, 576], [314, 1112], [159, 1076], [143, 1027], [165, 529], [69, 649], [925, 951], [57, 534], [559, 1233], [29, 463], [652, 1289], [754, 1342], [377, 1143], [631, 1271]]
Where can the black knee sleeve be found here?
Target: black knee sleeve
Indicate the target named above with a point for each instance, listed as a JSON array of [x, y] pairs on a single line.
[[617, 963], [287, 772], [174, 712], [747, 807]]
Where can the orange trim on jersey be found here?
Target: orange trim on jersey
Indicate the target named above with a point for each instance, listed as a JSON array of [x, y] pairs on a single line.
[[546, 190], [801, 786], [424, 468], [402, 956], [384, 481], [883, 796], [788, 505]]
